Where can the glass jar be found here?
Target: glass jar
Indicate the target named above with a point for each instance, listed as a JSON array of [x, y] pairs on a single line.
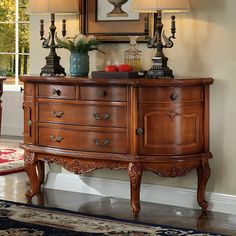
[[133, 56]]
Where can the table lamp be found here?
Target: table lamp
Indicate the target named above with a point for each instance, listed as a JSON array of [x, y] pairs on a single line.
[[41, 7], [159, 68]]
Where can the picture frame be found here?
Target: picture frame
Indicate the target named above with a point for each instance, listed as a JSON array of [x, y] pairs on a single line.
[[114, 30]]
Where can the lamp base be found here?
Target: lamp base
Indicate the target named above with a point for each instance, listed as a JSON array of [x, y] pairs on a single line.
[[52, 67], [159, 69]]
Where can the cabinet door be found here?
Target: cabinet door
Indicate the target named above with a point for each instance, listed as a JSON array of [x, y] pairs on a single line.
[[27, 123], [29, 113], [168, 131]]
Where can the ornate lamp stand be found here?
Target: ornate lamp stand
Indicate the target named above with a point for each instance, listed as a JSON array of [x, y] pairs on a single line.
[[159, 68], [52, 67]]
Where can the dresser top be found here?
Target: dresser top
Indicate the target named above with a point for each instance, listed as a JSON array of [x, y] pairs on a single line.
[[183, 81]]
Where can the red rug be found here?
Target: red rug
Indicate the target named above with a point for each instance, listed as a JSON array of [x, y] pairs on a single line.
[[11, 160]]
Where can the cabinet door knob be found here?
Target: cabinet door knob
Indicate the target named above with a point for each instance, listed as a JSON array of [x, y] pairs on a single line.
[[139, 131], [106, 116], [57, 114], [56, 139], [99, 142], [174, 96], [56, 92], [102, 93]]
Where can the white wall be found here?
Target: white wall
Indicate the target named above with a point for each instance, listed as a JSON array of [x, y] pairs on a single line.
[[12, 117], [204, 47]]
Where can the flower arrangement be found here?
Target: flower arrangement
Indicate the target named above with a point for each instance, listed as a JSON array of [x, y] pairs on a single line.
[[79, 43]]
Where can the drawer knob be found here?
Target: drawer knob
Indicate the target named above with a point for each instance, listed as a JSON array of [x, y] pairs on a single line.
[[102, 93], [174, 96], [106, 116], [99, 142], [56, 139], [57, 114], [56, 92]]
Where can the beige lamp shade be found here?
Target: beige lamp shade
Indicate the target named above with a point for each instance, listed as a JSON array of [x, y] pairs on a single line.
[[53, 6], [162, 5]]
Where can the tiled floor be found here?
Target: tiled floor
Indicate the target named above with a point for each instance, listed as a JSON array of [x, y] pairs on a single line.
[[13, 187]]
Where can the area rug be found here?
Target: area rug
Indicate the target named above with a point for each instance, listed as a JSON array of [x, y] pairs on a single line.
[[23, 220], [11, 159]]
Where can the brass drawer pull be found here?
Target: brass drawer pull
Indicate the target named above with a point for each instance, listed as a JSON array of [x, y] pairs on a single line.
[[99, 142], [174, 96], [97, 116], [56, 92], [29, 122], [56, 139], [102, 93], [57, 114]]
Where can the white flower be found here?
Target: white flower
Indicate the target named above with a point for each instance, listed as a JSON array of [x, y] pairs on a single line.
[[79, 37], [78, 43], [91, 37]]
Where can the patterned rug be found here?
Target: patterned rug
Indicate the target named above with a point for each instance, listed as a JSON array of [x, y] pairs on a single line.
[[24, 220], [11, 157]]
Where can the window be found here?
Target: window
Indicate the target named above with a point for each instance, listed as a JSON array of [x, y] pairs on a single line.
[[14, 40]]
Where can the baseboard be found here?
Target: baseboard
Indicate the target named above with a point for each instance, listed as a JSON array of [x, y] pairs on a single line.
[[149, 193], [12, 131]]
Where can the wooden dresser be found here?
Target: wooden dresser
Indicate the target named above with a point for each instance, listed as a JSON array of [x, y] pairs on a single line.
[[85, 124], [1, 92]]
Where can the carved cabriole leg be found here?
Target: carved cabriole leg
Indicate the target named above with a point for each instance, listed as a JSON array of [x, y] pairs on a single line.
[[203, 173], [41, 171], [41, 196], [135, 174], [30, 167]]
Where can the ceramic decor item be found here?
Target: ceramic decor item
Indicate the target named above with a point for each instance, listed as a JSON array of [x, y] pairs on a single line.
[[79, 64]]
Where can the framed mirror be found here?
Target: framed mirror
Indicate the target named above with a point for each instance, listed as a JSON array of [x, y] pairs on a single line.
[[108, 24]]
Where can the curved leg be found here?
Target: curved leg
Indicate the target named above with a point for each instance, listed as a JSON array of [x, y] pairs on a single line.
[[40, 198], [30, 167], [41, 171], [203, 220], [203, 173], [135, 174]]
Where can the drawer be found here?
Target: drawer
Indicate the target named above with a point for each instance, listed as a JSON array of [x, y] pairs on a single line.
[[83, 140], [170, 94], [103, 93], [91, 115], [56, 91]]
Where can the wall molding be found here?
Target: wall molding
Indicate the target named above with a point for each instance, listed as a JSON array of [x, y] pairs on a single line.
[[149, 193]]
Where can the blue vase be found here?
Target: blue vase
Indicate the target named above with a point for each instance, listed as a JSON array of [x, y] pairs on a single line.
[[79, 64]]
